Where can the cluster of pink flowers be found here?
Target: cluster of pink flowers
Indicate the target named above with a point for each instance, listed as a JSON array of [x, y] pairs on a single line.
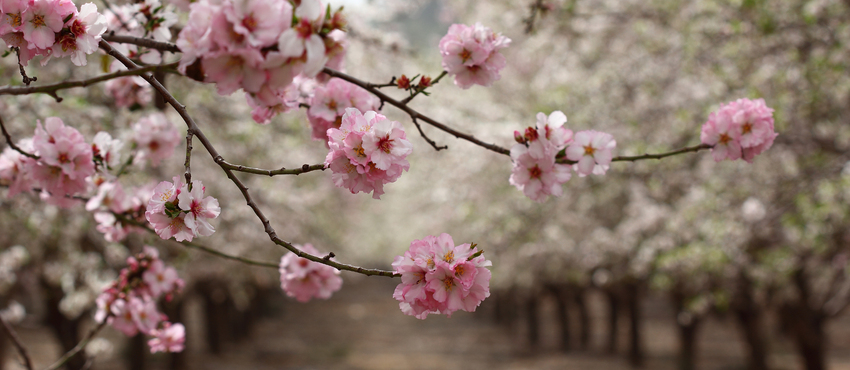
[[304, 280], [51, 28], [739, 129], [293, 96], [156, 138], [330, 102], [129, 304], [111, 199], [181, 211], [472, 54], [537, 170], [260, 45], [64, 162], [366, 152], [439, 277]]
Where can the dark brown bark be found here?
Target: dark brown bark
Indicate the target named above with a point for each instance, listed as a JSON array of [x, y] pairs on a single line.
[[749, 317], [584, 317], [613, 320], [688, 344], [562, 315], [533, 320], [138, 352], [636, 354], [67, 331]]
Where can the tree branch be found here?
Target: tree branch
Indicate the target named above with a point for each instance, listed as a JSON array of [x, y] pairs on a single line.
[[414, 114], [79, 347], [259, 171], [190, 122], [27, 80], [188, 172], [12, 144], [688, 149], [140, 41], [17, 341], [52, 89], [433, 82]]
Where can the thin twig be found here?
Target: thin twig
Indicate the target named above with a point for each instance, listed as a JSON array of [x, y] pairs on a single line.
[[27, 79], [259, 171], [188, 172], [17, 341], [688, 149], [190, 122], [433, 82], [432, 142], [388, 84], [51, 89], [12, 144], [140, 41], [79, 347], [414, 114]]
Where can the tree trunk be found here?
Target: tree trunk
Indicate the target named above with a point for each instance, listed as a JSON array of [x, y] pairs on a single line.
[[138, 352], [533, 321], [636, 355], [584, 317], [688, 343], [67, 331], [613, 320], [811, 341], [750, 318], [562, 314]]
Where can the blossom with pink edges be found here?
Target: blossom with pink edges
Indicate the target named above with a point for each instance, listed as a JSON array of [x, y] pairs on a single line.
[[742, 128], [129, 303], [472, 54], [170, 338], [156, 138], [83, 33], [199, 209], [330, 102], [593, 150], [65, 159], [439, 277], [537, 178], [353, 145], [304, 280], [15, 168]]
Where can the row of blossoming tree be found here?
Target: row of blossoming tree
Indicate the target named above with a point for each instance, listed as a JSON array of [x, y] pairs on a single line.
[[281, 67]]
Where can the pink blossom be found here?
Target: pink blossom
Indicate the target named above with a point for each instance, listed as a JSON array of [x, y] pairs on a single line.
[[145, 315], [351, 161], [41, 22], [110, 227], [593, 152], [12, 18], [472, 54], [171, 227], [106, 150], [743, 128], [537, 178], [302, 40], [171, 338], [303, 279], [260, 21], [550, 137], [160, 279], [235, 69], [330, 102], [127, 92], [156, 138], [15, 168], [65, 159], [199, 208], [84, 33], [122, 317], [110, 195], [440, 277]]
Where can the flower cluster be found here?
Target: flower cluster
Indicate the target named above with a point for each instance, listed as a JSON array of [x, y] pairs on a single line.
[[155, 137], [472, 54], [64, 161], [537, 170], [110, 200], [260, 45], [51, 28], [129, 304], [739, 129], [439, 277], [330, 102], [304, 280], [366, 152], [297, 93], [181, 211]]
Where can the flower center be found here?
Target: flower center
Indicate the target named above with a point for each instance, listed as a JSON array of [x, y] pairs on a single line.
[[725, 139], [77, 28], [14, 19], [250, 23], [465, 55], [535, 172], [385, 144], [448, 283], [332, 104], [37, 21], [589, 150], [748, 127]]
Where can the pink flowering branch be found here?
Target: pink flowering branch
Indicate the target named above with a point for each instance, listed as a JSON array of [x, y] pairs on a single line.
[[422, 89], [79, 347], [414, 114], [140, 41], [12, 143], [52, 89], [190, 122], [282, 171], [17, 341]]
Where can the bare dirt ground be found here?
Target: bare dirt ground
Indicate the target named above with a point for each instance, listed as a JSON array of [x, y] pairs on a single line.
[[362, 328]]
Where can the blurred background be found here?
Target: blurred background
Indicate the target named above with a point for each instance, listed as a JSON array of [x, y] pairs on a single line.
[[682, 263]]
